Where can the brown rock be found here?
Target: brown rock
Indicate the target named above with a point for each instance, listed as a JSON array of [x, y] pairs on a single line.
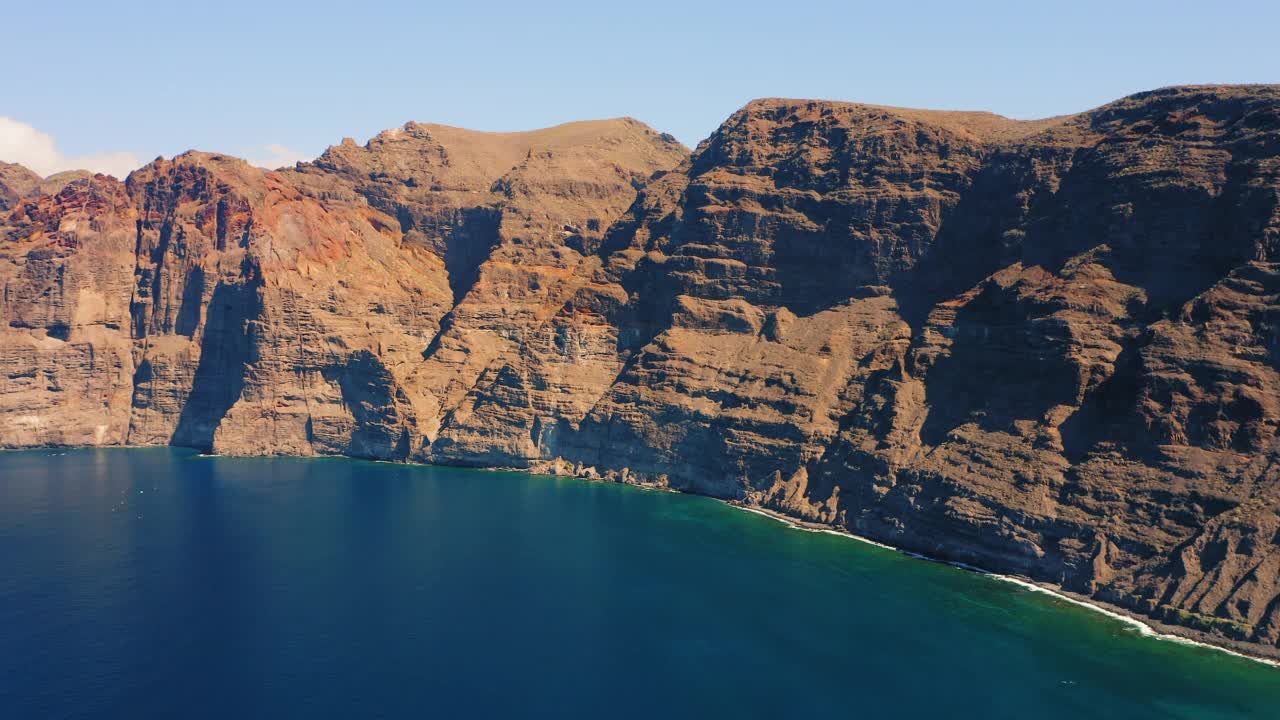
[[16, 183], [1049, 347]]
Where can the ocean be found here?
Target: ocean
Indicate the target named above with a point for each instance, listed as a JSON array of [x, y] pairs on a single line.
[[160, 583]]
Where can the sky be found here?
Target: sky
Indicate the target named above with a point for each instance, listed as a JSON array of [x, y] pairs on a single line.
[[112, 85]]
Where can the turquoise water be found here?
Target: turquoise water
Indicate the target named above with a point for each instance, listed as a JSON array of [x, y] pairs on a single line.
[[155, 583]]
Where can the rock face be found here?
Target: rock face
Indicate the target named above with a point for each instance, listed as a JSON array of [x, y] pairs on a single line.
[[1047, 347], [66, 358], [18, 183]]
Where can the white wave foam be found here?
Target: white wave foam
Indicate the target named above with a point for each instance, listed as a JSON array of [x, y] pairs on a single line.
[[1142, 627]]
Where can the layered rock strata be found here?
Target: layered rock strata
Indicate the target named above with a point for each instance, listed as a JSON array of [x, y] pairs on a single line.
[[1047, 347]]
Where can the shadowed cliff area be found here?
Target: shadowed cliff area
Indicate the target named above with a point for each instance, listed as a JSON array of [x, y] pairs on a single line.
[[1047, 347]]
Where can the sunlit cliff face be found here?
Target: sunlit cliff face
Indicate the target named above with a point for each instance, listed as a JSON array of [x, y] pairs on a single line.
[[1045, 347]]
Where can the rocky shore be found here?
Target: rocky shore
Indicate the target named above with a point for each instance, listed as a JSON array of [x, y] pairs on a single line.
[[1144, 624]]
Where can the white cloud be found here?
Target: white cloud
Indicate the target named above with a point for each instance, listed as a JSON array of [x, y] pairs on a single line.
[[23, 144], [273, 156]]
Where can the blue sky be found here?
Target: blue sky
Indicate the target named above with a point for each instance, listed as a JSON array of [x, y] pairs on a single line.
[[114, 83]]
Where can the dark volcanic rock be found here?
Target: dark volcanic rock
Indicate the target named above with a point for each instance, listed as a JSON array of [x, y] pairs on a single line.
[[1047, 347]]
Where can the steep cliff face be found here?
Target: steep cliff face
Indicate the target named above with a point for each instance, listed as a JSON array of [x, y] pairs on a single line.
[[66, 263], [267, 322], [1047, 347], [1043, 347], [345, 307], [514, 218]]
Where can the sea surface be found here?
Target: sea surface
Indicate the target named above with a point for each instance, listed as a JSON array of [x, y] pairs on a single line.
[[158, 583]]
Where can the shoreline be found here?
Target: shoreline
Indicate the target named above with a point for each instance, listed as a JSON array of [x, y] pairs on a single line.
[[1145, 626]]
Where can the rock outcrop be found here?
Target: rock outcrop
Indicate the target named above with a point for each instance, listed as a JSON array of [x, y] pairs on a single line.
[[1047, 347], [16, 183]]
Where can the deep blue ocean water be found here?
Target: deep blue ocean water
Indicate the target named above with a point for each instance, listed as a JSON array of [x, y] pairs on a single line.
[[157, 583]]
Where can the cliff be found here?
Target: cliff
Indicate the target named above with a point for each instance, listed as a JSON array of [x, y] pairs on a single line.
[[1047, 347]]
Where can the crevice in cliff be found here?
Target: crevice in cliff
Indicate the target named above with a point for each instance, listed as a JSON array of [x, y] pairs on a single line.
[[1100, 418], [225, 351], [468, 245]]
